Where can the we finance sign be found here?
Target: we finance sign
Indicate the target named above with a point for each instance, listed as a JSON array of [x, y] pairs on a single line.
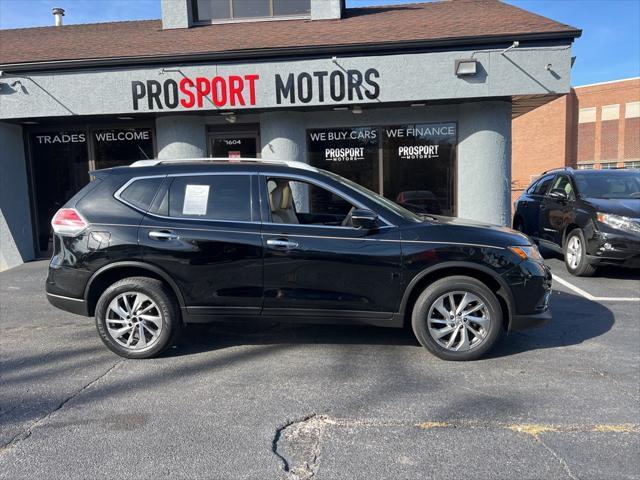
[[256, 89]]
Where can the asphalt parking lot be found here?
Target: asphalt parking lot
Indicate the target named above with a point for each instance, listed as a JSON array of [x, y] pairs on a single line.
[[329, 402]]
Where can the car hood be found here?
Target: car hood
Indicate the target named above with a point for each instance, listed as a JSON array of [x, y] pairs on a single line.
[[436, 228], [625, 207]]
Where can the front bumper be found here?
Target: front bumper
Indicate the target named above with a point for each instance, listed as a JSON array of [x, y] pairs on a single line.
[[614, 248], [530, 285], [68, 304]]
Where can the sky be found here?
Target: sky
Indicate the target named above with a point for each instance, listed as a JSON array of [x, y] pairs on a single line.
[[609, 48]]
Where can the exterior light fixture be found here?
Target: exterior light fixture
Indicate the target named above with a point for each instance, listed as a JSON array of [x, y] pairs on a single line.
[[419, 104], [337, 109], [466, 67], [357, 109]]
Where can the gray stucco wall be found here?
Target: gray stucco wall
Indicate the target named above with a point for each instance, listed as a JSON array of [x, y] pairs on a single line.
[[181, 137], [326, 9], [401, 78], [484, 162], [16, 239], [176, 14]]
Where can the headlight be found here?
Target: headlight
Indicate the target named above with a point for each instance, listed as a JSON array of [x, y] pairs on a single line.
[[527, 252], [618, 222]]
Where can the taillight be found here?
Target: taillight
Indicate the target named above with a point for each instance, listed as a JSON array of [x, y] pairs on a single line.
[[68, 221]]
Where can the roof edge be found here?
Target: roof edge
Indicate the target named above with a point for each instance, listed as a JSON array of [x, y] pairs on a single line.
[[283, 52]]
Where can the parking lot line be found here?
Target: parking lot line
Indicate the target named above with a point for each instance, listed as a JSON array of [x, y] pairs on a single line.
[[588, 296]]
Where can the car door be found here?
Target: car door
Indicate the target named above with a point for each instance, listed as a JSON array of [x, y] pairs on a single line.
[[557, 209], [530, 203], [204, 231], [315, 263]]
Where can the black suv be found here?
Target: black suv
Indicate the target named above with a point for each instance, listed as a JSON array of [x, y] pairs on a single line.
[[148, 249], [591, 216]]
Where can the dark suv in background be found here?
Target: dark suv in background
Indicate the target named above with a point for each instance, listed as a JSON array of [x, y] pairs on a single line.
[[591, 216], [149, 248]]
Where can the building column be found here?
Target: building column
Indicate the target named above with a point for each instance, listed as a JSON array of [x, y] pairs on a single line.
[[16, 231], [283, 136], [181, 136], [484, 162]]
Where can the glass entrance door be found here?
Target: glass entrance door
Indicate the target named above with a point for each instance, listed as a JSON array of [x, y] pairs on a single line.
[[59, 168], [240, 145]]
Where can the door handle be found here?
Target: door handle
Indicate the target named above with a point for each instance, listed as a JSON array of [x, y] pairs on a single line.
[[162, 235], [281, 244]]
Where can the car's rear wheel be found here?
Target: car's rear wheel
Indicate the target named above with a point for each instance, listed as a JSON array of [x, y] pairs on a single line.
[[457, 318], [575, 255], [137, 317]]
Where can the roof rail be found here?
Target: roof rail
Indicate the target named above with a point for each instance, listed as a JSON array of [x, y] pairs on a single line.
[[288, 163], [559, 169]]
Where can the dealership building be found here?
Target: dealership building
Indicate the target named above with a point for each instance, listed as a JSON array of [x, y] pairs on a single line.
[[413, 101]]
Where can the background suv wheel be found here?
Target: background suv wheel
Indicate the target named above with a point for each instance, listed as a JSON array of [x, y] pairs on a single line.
[[575, 255], [137, 317], [457, 318]]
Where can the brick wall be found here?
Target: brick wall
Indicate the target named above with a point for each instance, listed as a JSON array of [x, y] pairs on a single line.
[[538, 143], [594, 124]]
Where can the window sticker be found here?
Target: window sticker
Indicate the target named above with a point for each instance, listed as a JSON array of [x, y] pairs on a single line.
[[196, 198]]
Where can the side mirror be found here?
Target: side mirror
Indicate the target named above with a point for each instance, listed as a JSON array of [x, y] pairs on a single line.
[[365, 219], [558, 194]]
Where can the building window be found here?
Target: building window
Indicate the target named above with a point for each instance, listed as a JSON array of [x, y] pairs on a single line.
[[585, 166], [609, 165], [635, 164], [221, 10], [350, 152], [113, 147], [587, 115], [414, 165]]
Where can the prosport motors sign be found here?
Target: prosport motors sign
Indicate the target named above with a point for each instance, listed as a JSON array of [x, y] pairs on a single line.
[[226, 91]]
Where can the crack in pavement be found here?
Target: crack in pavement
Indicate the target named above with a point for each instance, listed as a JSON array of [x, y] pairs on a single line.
[[29, 430], [297, 443]]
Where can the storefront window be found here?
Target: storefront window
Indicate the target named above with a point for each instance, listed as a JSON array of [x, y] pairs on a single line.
[[115, 147], [350, 152], [59, 161], [413, 165], [419, 166]]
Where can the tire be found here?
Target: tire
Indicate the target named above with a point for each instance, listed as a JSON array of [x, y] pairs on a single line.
[[148, 333], [426, 327], [575, 255]]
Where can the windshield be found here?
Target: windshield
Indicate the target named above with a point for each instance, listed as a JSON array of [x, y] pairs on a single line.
[[618, 184], [378, 199]]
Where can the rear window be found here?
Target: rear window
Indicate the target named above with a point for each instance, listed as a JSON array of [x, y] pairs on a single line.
[[140, 193], [211, 197]]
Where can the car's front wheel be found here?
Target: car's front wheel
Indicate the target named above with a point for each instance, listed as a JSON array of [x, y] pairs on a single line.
[[137, 317], [457, 318], [575, 255]]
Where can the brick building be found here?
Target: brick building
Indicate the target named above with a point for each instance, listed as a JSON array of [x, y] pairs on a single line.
[[593, 126]]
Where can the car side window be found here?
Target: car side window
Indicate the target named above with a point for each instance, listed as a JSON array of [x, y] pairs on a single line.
[[211, 197], [140, 193], [563, 182], [543, 185], [298, 202]]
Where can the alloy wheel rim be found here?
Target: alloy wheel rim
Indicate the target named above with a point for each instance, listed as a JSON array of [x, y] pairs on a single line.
[[459, 321], [574, 252], [134, 321]]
